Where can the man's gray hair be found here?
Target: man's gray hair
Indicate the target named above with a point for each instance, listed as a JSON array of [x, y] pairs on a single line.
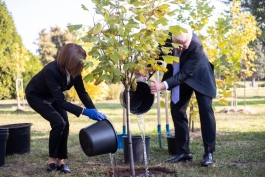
[[183, 36]]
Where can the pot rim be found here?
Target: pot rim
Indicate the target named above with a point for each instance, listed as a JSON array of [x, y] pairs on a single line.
[[16, 125]]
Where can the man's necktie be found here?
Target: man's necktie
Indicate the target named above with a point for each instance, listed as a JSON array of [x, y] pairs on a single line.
[[175, 90]]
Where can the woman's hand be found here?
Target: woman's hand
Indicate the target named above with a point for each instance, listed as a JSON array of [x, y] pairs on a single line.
[[94, 114]]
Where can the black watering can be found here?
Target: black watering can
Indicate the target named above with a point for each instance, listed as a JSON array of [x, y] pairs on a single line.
[[141, 100], [98, 138]]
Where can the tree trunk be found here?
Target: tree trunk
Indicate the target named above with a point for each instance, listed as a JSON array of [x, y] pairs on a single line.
[[132, 170], [253, 82]]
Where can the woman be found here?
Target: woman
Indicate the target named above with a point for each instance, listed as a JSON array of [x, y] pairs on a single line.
[[44, 94]]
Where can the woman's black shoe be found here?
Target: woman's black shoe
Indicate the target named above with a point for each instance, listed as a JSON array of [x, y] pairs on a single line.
[[63, 168], [52, 167]]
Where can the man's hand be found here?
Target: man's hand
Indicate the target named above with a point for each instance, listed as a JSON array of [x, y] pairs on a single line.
[[156, 86]]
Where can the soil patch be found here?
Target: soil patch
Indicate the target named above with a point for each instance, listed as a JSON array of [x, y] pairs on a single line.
[[241, 110], [141, 172]]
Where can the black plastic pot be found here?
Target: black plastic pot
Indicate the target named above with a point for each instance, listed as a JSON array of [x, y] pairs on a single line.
[[138, 149], [3, 139], [18, 141], [171, 145], [141, 100], [98, 138]]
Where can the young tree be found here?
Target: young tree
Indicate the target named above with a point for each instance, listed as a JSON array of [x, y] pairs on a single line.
[[126, 39], [229, 50], [257, 9]]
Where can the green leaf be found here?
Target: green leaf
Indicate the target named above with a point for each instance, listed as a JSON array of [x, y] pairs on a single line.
[[172, 13], [129, 65], [169, 59], [163, 21], [142, 18], [116, 71], [88, 78], [89, 38], [88, 64], [124, 49], [116, 79], [113, 20], [176, 45], [83, 7], [106, 15], [163, 7], [106, 77], [176, 29], [97, 29], [74, 27], [105, 2], [158, 13], [123, 9], [115, 57]]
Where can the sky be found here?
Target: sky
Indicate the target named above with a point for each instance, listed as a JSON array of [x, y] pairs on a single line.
[[32, 16]]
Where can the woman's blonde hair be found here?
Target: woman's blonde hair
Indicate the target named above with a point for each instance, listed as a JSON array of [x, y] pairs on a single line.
[[70, 59]]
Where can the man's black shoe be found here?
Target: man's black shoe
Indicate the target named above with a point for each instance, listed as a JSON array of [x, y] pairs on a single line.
[[207, 159], [179, 158]]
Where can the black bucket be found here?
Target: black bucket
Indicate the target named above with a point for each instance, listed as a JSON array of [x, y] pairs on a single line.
[[3, 139], [19, 138], [141, 100], [138, 149], [98, 138], [171, 145]]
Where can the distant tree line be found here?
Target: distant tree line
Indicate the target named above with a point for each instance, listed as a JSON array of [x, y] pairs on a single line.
[[50, 43], [16, 62]]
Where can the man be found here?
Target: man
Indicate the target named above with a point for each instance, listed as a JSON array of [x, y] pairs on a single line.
[[195, 75]]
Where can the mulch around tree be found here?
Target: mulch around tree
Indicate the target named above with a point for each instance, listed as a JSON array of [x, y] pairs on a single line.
[[141, 172]]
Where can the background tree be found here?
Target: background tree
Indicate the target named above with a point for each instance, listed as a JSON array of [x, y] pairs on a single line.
[[228, 48], [60, 38], [32, 66], [47, 49], [257, 9], [259, 72], [11, 43], [50, 43]]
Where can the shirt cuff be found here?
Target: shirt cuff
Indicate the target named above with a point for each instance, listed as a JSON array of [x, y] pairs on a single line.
[[166, 85]]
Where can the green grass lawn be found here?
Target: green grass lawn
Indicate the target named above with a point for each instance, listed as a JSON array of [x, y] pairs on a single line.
[[240, 145]]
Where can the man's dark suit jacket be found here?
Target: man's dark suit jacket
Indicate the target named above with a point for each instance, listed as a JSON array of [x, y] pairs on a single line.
[[195, 69], [48, 85]]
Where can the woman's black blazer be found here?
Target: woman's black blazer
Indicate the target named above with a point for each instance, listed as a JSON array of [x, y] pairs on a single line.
[[48, 85]]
